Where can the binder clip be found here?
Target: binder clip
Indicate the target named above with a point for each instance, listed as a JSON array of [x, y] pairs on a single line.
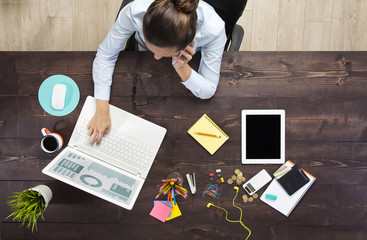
[[192, 182], [219, 174]]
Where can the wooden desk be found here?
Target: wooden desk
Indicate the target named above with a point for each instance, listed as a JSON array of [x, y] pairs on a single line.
[[326, 132]]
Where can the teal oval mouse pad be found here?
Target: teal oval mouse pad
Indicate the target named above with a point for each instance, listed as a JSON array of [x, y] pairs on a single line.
[[72, 95]]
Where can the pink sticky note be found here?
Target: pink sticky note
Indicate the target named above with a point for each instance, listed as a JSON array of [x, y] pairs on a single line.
[[161, 211], [164, 202]]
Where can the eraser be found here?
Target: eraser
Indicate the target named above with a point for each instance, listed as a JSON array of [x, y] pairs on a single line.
[[271, 197]]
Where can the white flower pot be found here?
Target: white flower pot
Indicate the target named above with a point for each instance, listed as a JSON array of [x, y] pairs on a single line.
[[45, 192]]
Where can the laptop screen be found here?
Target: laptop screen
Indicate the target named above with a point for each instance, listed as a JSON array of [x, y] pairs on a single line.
[[263, 136]]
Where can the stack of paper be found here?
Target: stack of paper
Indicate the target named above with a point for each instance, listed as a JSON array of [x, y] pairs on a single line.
[[285, 203]]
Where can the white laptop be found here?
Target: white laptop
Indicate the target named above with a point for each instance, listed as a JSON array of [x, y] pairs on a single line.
[[116, 169], [263, 136]]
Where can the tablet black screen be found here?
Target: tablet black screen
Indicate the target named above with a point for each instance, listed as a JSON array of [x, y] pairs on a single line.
[[263, 137]]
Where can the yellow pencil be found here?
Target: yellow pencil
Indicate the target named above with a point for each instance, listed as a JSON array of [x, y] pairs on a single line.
[[208, 134], [180, 188]]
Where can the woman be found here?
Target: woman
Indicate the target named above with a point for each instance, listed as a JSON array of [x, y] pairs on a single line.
[[168, 28]]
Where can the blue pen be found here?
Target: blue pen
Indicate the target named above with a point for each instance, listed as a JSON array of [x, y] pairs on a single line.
[[173, 195]]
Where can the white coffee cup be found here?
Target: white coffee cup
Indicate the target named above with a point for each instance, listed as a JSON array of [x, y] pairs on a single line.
[[51, 142]]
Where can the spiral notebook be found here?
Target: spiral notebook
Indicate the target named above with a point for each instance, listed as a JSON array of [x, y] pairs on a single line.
[[207, 126]]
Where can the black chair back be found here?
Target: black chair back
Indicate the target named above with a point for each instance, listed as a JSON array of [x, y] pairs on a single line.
[[229, 10]]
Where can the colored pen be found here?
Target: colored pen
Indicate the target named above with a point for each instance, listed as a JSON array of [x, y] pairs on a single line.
[[161, 190], [177, 191], [208, 134], [171, 197], [180, 188], [169, 180], [166, 189], [173, 194], [169, 186]]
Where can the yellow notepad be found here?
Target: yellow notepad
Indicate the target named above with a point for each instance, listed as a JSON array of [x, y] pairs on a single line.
[[206, 125]]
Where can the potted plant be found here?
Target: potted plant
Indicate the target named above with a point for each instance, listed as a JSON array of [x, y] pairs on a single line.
[[29, 205]]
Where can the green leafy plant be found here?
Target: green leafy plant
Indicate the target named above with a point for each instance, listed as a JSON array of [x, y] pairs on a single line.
[[27, 206]]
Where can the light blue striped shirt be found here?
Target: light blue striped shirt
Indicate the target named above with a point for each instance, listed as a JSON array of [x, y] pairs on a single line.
[[210, 39]]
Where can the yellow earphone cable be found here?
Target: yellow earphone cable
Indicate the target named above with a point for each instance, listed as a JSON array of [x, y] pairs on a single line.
[[232, 221], [240, 220]]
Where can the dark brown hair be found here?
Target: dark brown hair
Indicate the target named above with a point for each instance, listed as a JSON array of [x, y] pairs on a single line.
[[170, 23]]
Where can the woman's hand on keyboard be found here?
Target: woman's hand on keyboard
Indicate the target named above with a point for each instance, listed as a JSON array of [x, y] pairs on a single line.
[[100, 124]]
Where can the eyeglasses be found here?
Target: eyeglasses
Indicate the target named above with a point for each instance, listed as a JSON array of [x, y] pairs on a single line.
[[138, 99]]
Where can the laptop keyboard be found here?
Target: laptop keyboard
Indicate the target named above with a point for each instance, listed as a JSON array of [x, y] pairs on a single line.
[[118, 147]]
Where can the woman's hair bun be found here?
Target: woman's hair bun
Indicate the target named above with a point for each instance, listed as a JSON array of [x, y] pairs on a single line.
[[186, 6]]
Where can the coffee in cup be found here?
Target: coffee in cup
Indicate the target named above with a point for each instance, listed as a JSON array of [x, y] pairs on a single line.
[[51, 142]]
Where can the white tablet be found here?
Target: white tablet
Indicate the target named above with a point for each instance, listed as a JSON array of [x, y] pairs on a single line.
[[263, 136]]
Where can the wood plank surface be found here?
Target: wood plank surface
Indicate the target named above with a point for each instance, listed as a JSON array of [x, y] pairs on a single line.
[[291, 17], [264, 38], [79, 25], [324, 96]]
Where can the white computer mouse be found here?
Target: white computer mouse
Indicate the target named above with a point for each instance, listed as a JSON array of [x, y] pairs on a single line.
[[58, 96]]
